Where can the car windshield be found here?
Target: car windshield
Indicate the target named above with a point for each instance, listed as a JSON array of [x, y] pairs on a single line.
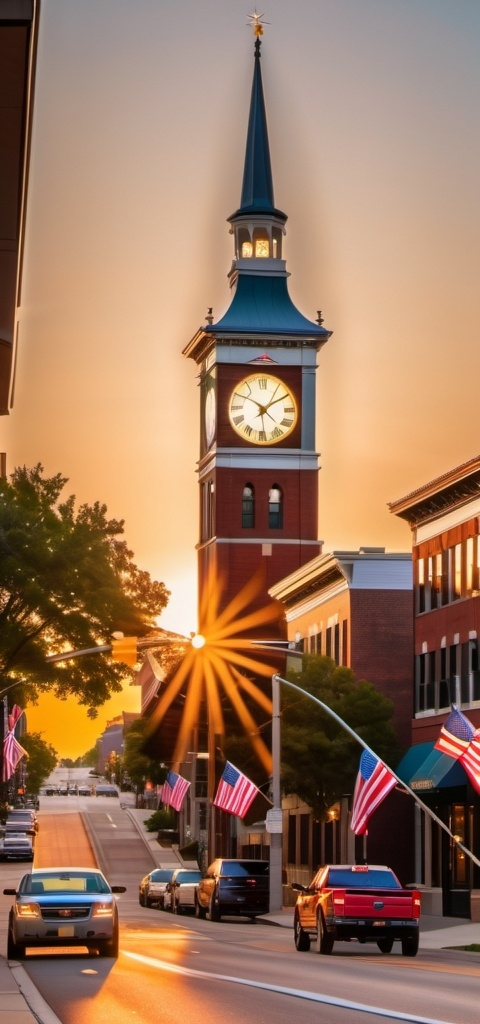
[[161, 875], [244, 867], [188, 876], [65, 881], [363, 879]]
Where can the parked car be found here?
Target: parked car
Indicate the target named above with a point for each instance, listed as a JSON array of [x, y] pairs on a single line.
[[20, 825], [16, 846], [84, 791], [180, 891], [23, 814], [152, 888], [233, 887], [63, 907]]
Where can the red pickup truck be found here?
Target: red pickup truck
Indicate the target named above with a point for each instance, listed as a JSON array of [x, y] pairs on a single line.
[[356, 901]]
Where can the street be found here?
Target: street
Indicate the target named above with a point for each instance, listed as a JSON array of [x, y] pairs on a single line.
[[173, 969]]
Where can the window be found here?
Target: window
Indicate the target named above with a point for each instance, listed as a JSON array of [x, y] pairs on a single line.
[[248, 507], [275, 508], [208, 510], [421, 585], [336, 642], [456, 571]]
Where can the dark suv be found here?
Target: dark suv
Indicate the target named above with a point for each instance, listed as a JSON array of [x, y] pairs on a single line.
[[233, 887]]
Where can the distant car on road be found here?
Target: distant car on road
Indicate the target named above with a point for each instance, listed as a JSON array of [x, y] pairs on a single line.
[[152, 887], [84, 791], [16, 846], [180, 891], [63, 907], [239, 887]]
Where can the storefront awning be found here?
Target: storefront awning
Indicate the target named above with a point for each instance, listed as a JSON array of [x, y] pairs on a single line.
[[423, 768]]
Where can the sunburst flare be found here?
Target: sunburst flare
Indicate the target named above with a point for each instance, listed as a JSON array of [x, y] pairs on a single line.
[[219, 663]]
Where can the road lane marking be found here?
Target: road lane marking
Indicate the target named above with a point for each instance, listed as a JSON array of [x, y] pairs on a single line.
[[298, 993]]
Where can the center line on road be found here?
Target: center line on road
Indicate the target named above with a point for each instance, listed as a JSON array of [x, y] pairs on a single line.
[[298, 993]]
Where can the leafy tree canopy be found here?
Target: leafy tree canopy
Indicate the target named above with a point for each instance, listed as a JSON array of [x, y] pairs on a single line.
[[139, 766], [67, 582], [319, 758], [41, 761]]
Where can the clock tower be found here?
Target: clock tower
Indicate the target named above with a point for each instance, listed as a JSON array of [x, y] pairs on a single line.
[[258, 468]]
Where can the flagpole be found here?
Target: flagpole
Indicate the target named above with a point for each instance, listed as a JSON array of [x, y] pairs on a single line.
[[456, 840]]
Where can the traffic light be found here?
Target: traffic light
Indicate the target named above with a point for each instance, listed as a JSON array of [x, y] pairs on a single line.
[[124, 649]]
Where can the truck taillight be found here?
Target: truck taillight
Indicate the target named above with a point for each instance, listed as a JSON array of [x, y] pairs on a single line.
[[416, 903]]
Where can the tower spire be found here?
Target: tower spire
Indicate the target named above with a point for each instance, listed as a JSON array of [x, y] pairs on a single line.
[[257, 187]]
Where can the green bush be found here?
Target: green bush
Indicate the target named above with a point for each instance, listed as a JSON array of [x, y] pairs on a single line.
[[159, 819]]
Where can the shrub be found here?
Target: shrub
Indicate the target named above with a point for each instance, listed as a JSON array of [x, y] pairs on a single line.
[[159, 819]]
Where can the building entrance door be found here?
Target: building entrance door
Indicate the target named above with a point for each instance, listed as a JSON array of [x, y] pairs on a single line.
[[456, 866]]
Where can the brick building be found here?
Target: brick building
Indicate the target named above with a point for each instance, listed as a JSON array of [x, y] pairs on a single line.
[[355, 607], [444, 517]]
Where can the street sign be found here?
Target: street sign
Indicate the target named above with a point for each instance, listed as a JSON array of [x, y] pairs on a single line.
[[274, 820]]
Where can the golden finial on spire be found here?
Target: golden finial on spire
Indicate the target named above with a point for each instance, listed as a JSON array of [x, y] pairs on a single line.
[[257, 23]]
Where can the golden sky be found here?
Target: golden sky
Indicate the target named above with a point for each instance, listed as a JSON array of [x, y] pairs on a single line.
[[137, 158]]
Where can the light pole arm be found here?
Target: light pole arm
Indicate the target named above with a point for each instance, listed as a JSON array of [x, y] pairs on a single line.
[[328, 711]]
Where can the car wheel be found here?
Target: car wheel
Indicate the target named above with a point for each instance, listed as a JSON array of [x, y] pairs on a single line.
[[141, 899], [410, 945], [302, 939], [323, 941], [109, 947], [385, 945], [213, 910], [15, 951], [200, 911]]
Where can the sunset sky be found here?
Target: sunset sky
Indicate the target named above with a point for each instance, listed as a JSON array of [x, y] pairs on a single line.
[[139, 131]]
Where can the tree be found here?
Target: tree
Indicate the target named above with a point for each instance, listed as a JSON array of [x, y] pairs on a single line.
[[67, 582], [41, 761], [139, 766], [92, 757], [320, 759]]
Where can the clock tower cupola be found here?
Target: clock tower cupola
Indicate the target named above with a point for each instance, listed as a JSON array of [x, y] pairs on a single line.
[[258, 468]]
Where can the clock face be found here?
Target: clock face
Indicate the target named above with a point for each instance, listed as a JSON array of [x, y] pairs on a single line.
[[262, 409], [210, 415]]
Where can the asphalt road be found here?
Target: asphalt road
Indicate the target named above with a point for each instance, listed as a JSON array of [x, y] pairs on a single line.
[[172, 970]]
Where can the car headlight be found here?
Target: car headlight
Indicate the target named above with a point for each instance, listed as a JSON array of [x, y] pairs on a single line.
[[28, 910], [102, 910]]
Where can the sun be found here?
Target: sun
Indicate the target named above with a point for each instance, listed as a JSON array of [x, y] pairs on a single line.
[[219, 663]]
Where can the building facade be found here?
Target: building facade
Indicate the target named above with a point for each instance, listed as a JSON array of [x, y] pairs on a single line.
[[356, 608], [18, 36], [444, 518]]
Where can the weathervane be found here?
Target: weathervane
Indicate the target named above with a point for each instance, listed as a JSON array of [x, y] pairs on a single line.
[[257, 23]]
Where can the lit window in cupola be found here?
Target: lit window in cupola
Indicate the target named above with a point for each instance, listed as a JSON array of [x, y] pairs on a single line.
[[247, 250], [262, 248]]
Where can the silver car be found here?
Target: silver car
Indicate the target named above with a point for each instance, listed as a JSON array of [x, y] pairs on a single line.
[[63, 907], [180, 892]]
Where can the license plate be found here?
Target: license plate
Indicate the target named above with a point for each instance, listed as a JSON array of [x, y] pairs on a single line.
[[66, 931], [379, 924]]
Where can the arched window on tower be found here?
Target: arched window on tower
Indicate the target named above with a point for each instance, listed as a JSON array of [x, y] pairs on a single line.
[[248, 507], [275, 508], [261, 243], [244, 244]]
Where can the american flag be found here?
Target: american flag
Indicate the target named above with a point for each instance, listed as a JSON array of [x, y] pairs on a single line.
[[471, 761], [12, 751], [235, 792], [374, 782], [174, 789], [455, 734]]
